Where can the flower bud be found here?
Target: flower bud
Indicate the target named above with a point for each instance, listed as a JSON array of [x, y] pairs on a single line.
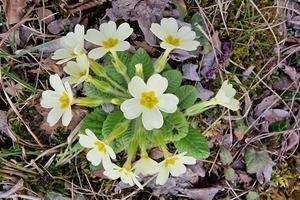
[[88, 101], [139, 70]]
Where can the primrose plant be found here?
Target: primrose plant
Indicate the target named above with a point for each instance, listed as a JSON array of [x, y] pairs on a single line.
[[150, 104]]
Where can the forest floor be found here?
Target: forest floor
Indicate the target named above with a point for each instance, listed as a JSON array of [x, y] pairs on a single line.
[[256, 43]]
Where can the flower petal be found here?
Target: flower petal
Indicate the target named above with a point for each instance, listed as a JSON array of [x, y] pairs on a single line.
[[152, 119], [121, 46], [107, 164], [162, 176], [94, 156], [136, 86], [177, 169], [109, 29], [169, 25], [72, 68], [110, 151], [112, 174], [137, 182], [56, 83], [61, 54], [49, 99], [69, 92], [94, 36], [54, 115], [158, 31], [90, 134], [187, 160], [67, 117], [97, 53], [166, 45], [124, 31], [131, 108], [185, 33], [189, 45], [168, 103], [157, 83], [86, 141]]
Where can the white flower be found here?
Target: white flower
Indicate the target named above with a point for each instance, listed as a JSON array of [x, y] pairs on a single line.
[[78, 71], [146, 166], [225, 97], [125, 173], [60, 100], [109, 38], [173, 38], [149, 100], [73, 45], [174, 165], [100, 152]]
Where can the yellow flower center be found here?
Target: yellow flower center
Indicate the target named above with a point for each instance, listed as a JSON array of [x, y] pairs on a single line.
[[148, 99], [172, 40], [110, 42], [100, 146], [64, 100], [170, 161], [82, 73]]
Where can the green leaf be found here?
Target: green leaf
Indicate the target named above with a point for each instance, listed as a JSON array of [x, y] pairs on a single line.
[[94, 122], [255, 160], [225, 156], [115, 118], [194, 144], [174, 80], [175, 127], [141, 56], [280, 126], [91, 91], [197, 24], [252, 196], [230, 174], [187, 95]]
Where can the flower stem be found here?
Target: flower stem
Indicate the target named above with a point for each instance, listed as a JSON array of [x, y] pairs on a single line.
[[97, 68], [200, 107], [120, 66], [116, 132], [89, 101], [160, 142], [105, 87]]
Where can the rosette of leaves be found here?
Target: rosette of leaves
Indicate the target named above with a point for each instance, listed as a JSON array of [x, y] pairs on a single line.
[[176, 128]]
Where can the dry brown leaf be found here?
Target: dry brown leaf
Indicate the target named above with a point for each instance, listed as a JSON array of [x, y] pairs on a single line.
[[268, 102], [202, 193], [13, 10]]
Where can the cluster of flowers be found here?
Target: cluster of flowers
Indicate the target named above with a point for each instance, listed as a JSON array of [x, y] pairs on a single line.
[[137, 99]]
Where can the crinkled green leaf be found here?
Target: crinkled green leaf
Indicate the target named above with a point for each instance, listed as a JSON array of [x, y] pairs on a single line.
[[174, 80], [187, 95], [91, 91], [255, 160], [111, 122], [194, 144], [141, 56], [94, 122], [225, 156], [175, 127]]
